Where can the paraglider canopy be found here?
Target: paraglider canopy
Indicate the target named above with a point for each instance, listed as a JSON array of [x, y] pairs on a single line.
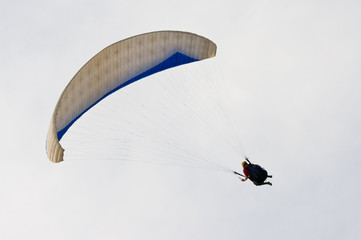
[[117, 66]]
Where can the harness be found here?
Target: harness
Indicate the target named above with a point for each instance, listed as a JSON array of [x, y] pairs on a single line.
[[257, 173]]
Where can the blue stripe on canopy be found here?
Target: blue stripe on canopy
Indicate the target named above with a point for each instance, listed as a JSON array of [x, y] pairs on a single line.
[[173, 61]]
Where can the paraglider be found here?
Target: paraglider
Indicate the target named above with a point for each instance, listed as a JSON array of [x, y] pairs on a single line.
[[255, 173], [124, 63]]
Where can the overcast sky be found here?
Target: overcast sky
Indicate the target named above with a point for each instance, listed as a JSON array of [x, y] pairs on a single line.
[[293, 74]]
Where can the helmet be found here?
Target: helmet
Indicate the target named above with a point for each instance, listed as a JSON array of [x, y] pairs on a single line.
[[244, 163]]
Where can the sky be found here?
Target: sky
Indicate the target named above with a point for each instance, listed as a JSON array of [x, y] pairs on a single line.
[[291, 70]]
